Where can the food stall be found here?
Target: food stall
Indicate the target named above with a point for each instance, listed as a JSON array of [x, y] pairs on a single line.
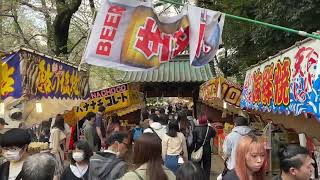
[[284, 91], [223, 98], [121, 99], [35, 87]]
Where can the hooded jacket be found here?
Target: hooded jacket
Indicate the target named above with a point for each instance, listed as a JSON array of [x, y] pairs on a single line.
[[158, 128], [106, 166], [231, 141]]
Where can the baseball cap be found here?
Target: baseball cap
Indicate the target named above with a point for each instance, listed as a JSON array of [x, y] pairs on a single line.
[[15, 137], [2, 121]]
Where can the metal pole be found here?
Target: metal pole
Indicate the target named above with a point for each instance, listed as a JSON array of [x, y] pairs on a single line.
[[301, 33]]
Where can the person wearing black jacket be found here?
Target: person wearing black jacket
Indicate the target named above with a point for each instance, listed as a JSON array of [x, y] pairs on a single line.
[[109, 165], [14, 145], [199, 136]]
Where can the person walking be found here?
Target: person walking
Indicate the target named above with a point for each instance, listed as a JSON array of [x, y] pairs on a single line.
[[155, 126], [190, 171], [57, 143], [14, 144], [89, 131], [250, 160], [79, 167], [113, 124], [110, 164], [202, 135], [147, 156], [295, 163], [39, 166], [231, 141], [174, 147], [100, 136]]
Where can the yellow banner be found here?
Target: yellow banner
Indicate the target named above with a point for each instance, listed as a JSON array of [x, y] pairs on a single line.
[[221, 88], [115, 98]]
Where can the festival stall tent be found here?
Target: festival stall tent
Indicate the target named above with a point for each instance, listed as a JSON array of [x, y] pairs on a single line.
[[220, 102], [124, 99], [35, 87], [121, 99], [284, 89]]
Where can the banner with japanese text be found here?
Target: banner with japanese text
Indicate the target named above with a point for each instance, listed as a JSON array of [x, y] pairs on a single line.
[[37, 76], [113, 98], [10, 79], [220, 88], [286, 83], [129, 35]]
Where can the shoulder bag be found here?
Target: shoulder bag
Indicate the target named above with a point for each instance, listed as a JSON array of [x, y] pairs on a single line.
[[196, 156]]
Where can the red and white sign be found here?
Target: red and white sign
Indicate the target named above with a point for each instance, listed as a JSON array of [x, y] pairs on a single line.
[[128, 35]]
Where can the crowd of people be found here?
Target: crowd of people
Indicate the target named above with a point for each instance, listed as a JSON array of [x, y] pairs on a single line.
[[166, 145]]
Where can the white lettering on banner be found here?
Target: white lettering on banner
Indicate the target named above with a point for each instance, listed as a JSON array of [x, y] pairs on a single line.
[[109, 91], [109, 30], [129, 36]]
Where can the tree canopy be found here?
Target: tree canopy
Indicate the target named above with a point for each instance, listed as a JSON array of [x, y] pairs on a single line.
[[250, 43], [61, 27]]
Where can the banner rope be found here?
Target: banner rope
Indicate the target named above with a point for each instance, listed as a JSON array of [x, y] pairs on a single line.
[[294, 31]]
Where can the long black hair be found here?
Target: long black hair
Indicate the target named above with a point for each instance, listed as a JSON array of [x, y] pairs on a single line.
[[59, 122], [173, 129], [190, 171]]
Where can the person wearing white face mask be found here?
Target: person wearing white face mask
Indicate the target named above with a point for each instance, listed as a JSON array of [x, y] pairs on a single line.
[[14, 144], [79, 167]]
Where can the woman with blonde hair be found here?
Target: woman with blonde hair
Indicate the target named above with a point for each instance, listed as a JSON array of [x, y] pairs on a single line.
[[250, 160]]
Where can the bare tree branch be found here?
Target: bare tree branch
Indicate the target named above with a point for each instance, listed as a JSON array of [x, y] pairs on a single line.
[[11, 34], [33, 7], [36, 35], [76, 44], [92, 7], [6, 15], [25, 40]]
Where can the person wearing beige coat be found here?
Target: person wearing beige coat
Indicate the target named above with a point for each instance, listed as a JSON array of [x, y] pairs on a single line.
[[147, 157], [174, 147], [141, 173]]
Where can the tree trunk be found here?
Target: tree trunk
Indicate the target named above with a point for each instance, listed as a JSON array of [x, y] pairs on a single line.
[[49, 26], [61, 24], [15, 14]]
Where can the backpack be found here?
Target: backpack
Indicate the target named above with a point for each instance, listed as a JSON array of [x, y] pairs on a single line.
[[137, 133]]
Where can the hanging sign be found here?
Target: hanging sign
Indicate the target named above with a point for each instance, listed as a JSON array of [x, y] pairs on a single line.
[[10, 80], [288, 82], [113, 98], [220, 88], [34, 75], [128, 35]]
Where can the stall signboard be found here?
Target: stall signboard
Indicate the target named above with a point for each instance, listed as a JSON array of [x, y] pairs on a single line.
[[129, 35], [286, 83], [112, 98], [10, 79], [35, 75], [221, 88]]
